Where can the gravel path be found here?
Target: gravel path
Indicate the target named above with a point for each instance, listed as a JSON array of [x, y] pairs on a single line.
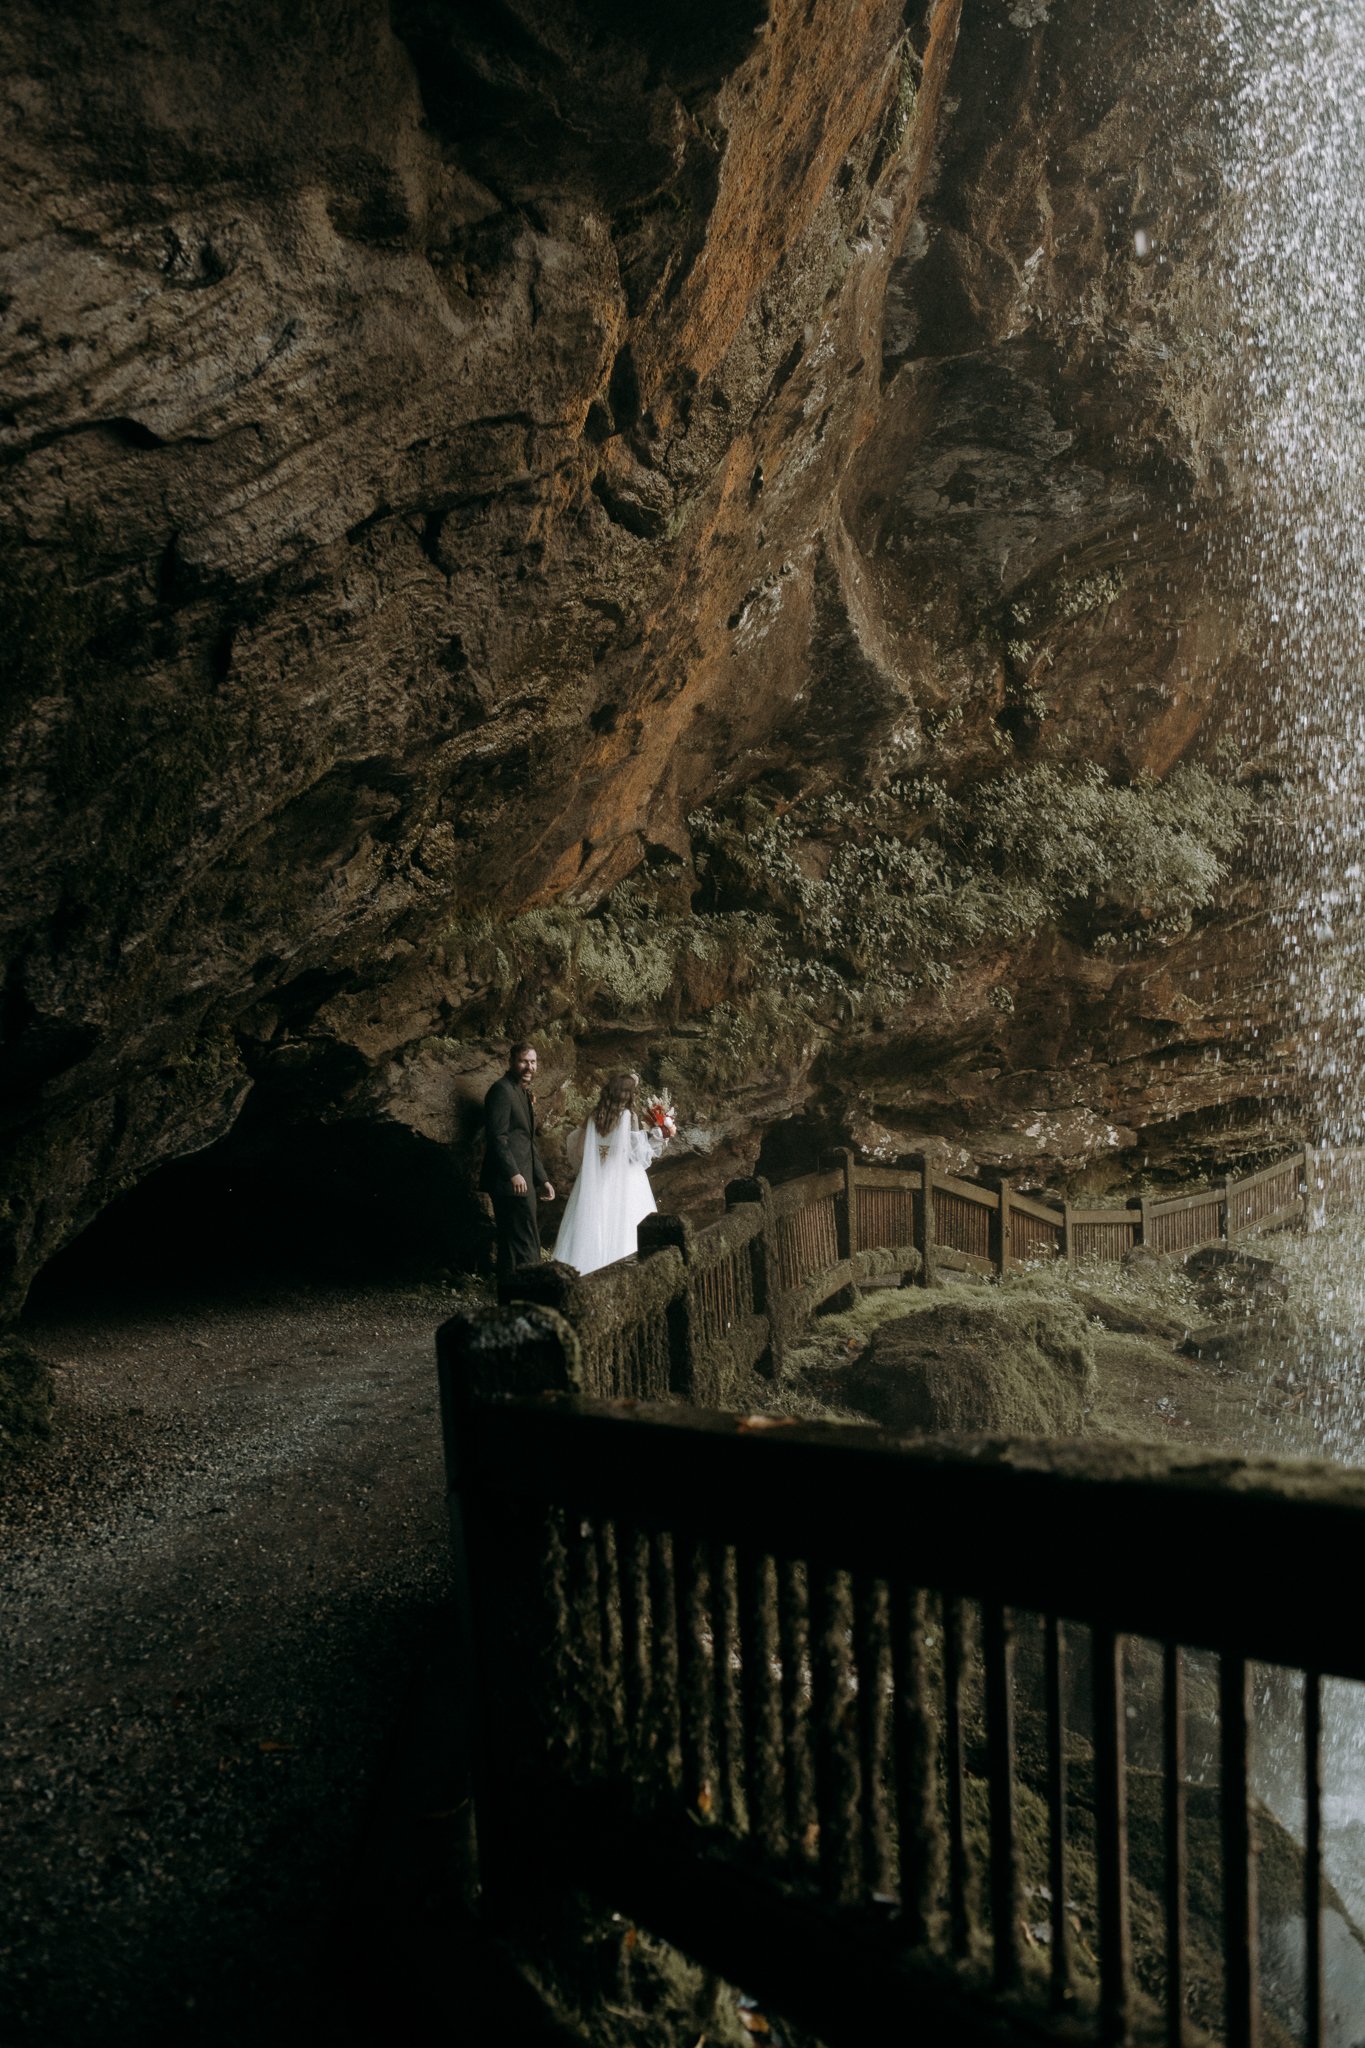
[[231, 1795]]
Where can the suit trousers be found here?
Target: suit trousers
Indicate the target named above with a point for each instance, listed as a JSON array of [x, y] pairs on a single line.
[[518, 1228]]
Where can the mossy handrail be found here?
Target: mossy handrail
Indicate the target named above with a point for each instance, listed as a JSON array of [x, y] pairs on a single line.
[[732, 1295], [757, 1685]]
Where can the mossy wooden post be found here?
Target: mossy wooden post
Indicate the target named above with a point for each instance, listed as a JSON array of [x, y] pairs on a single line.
[[508, 1589], [767, 1263], [1000, 1228], [924, 1222], [1144, 1235], [655, 1234], [1068, 1244], [842, 1160], [549, 1285]]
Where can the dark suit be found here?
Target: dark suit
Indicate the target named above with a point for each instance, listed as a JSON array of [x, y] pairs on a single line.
[[509, 1126]]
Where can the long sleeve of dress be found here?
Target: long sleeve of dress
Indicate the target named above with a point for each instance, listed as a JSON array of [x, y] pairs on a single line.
[[646, 1145]]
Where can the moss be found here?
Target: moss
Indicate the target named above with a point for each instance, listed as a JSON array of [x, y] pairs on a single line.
[[806, 915], [1075, 596], [715, 979], [1280, 1871], [26, 1399], [880, 1260], [769, 1034], [620, 1317], [1016, 1367], [898, 125], [889, 884]]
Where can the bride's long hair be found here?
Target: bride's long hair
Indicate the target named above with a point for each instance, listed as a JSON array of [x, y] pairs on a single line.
[[617, 1094]]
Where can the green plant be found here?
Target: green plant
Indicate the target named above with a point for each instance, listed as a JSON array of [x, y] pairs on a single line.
[[892, 885], [1084, 594], [768, 1035]]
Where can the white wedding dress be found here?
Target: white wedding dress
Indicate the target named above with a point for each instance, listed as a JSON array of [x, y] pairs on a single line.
[[610, 1196]]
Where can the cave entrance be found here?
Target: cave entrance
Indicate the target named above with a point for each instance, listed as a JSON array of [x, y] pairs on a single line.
[[271, 1204]]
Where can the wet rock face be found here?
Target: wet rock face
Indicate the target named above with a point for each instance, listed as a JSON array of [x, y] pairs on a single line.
[[443, 448]]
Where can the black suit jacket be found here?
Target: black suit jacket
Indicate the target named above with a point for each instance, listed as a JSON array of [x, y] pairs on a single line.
[[509, 1129]]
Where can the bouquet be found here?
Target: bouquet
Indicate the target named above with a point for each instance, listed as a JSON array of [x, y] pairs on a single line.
[[659, 1113]]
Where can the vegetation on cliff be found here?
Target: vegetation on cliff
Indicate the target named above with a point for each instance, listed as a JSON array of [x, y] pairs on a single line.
[[809, 913]]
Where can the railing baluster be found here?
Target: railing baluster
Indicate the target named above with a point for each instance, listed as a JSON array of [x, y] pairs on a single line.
[[1312, 1859], [1173, 1758], [1111, 1837], [918, 1828], [836, 1762], [958, 1925], [798, 1779], [729, 1803], [585, 1642], [664, 1659], [871, 1657], [633, 1562], [997, 1655], [609, 1610], [694, 1678], [1056, 1811], [762, 1710], [1239, 1872]]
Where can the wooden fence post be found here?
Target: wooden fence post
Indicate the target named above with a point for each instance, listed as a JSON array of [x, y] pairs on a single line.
[[1068, 1234], [767, 1262], [1001, 1247], [658, 1233], [1139, 1202], [841, 1160], [924, 1223], [1229, 1188], [498, 1557]]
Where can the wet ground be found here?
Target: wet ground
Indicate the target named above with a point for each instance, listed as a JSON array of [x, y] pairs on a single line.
[[232, 1787]]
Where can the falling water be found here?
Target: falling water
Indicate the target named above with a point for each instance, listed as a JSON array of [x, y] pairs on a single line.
[[1295, 256], [1294, 248]]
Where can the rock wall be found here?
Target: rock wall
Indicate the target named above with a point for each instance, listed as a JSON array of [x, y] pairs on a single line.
[[445, 448]]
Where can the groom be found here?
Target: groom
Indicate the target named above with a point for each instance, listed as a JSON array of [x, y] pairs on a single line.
[[512, 1168]]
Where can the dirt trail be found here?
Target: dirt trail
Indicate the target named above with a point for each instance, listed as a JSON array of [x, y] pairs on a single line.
[[231, 1793]]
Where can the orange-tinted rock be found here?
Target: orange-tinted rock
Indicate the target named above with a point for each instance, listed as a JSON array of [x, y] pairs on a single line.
[[446, 447]]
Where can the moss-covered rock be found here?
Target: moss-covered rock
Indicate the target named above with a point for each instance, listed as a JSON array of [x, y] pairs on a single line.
[[1252, 1344], [1128, 1317], [26, 1399], [1022, 1368]]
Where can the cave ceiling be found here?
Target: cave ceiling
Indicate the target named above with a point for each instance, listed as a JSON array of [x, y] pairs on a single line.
[[446, 449]]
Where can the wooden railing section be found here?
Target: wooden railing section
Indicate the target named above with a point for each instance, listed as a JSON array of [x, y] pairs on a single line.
[[698, 1309], [847, 1717]]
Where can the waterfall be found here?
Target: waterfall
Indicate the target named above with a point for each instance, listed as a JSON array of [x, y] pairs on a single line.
[[1294, 255], [1294, 213]]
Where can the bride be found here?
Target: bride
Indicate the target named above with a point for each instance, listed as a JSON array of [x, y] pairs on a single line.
[[612, 1191]]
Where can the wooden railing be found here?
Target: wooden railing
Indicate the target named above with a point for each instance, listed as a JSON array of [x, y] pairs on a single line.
[[697, 1310], [847, 1718]]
